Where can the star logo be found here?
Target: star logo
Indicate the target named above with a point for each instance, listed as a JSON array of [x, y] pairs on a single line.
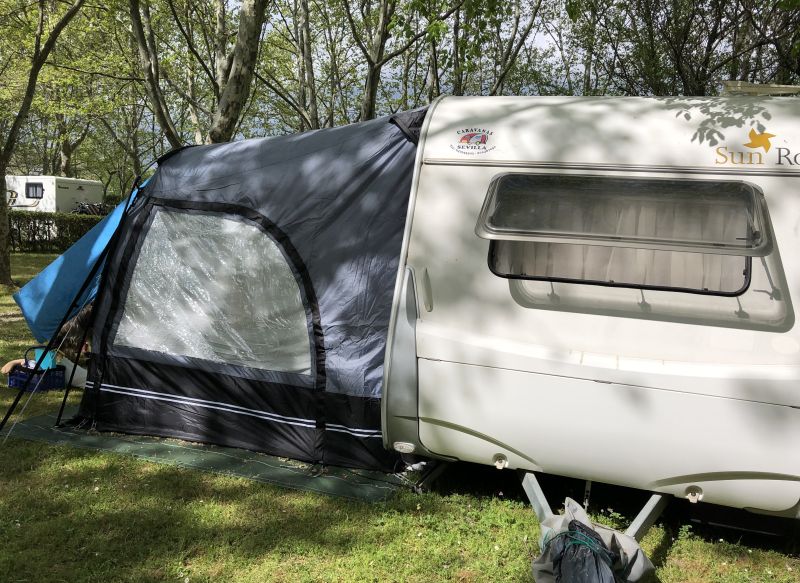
[[759, 140]]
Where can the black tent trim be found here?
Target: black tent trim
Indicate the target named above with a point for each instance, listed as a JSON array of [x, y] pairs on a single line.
[[123, 247], [270, 417], [410, 123]]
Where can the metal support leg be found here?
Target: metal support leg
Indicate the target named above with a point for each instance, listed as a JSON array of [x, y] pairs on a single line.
[[647, 516], [430, 476], [535, 494], [638, 528]]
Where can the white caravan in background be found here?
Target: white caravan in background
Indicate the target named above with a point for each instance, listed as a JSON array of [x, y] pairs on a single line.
[[51, 193], [603, 288]]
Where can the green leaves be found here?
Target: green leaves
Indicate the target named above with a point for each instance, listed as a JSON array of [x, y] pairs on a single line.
[[37, 232], [573, 8]]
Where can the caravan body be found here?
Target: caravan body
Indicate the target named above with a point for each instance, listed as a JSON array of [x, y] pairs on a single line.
[[51, 194], [603, 288]]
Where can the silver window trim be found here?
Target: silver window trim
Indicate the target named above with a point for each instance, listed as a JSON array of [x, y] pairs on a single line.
[[484, 231]]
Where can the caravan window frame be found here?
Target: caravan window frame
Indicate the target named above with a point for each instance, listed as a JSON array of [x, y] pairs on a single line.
[[497, 239], [485, 228]]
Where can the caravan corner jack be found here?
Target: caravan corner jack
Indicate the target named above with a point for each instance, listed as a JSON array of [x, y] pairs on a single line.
[[646, 517]]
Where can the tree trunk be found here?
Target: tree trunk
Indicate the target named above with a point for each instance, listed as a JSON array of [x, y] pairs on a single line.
[[508, 56], [221, 49], [5, 240], [308, 65], [434, 88], [588, 60], [375, 60], [148, 59], [194, 116], [65, 158], [41, 52], [302, 98], [368, 102], [458, 69], [240, 77]]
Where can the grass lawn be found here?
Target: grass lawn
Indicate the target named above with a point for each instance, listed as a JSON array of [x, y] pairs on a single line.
[[72, 515]]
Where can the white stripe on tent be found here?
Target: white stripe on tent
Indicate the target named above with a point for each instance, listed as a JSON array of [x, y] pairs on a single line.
[[360, 432], [152, 397], [203, 401], [229, 408]]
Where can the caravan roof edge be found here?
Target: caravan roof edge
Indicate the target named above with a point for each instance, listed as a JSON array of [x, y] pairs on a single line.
[[607, 167]]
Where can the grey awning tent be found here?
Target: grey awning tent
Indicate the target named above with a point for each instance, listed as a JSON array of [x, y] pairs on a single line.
[[246, 299]]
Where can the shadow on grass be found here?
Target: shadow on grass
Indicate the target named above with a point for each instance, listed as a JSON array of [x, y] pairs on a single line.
[[74, 512], [71, 515]]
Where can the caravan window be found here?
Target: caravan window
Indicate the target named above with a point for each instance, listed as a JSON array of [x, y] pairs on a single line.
[[215, 288], [34, 190], [683, 235]]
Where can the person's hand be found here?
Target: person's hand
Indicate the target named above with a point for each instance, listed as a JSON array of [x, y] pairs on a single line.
[[11, 364]]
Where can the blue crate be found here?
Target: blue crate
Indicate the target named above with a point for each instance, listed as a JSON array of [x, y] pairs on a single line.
[[54, 379]]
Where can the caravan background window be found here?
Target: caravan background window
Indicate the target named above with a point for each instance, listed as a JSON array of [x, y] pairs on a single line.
[[683, 235], [218, 289], [34, 190]]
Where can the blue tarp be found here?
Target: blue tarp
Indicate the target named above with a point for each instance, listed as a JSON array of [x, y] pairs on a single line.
[[44, 302]]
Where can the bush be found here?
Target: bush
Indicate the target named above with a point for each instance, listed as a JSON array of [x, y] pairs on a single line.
[[47, 232]]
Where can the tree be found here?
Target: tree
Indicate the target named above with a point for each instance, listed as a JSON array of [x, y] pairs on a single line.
[[239, 75], [203, 29], [684, 47], [372, 27], [43, 44]]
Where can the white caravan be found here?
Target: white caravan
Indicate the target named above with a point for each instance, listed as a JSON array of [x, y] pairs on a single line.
[[603, 288], [51, 193]]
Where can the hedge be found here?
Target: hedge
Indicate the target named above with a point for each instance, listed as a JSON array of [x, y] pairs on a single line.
[[47, 232]]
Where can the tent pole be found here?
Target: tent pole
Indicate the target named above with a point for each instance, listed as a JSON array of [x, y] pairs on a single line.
[[75, 300], [51, 342], [72, 374], [89, 324], [15, 402], [111, 249]]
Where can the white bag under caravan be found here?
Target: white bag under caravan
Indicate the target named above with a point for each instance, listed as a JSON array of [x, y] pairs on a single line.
[[624, 263]]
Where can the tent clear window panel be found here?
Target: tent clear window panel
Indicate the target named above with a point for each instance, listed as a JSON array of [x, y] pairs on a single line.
[[676, 234], [218, 289]]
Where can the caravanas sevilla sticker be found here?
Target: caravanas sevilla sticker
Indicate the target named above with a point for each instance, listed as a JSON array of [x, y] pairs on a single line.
[[473, 141]]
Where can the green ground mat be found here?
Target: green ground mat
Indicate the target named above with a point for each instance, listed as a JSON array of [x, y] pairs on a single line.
[[354, 484]]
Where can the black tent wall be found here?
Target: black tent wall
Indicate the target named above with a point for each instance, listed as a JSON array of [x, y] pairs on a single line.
[[335, 202]]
